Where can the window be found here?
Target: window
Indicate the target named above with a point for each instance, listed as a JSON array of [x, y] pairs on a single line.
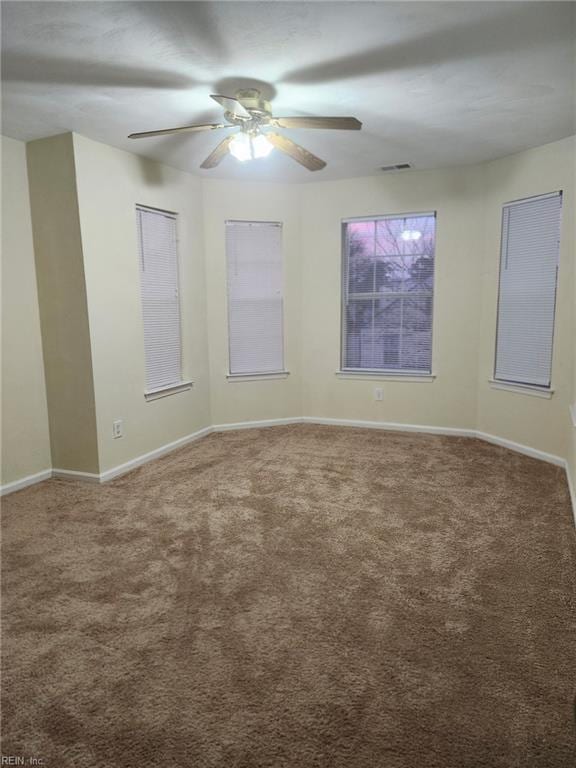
[[387, 294], [254, 260], [527, 290], [160, 301]]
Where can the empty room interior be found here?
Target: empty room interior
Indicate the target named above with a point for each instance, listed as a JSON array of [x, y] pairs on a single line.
[[288, 463]]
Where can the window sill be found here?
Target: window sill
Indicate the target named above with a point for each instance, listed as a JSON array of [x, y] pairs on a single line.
[[172, 389], [235, 377], [387, 376], [522, 389]]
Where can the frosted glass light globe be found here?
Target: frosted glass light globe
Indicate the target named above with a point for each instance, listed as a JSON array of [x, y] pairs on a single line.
[[261, 146], [240, 147]]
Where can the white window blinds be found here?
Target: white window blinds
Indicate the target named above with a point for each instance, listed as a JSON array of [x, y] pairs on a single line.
[[160, 301], [527, 290], [255, 301], [387, 294]]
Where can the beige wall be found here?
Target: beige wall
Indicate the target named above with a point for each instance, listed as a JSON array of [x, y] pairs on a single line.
[[532, 421], [572, 423], [62, 297], [572, 464], [25, 437], [468, 203], [84, 196], [110, 184], [448, 401], [236, 401]]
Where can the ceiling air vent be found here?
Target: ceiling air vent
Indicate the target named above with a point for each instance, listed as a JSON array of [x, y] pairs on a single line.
[[397, 167]]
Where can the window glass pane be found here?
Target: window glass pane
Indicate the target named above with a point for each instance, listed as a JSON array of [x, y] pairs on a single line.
[[408, 235], [360, 263], [388, 332], [358, 331], [417, 333]]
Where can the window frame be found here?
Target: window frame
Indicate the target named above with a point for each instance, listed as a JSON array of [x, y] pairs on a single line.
[[182, 384], [521, 387], [405, 374]]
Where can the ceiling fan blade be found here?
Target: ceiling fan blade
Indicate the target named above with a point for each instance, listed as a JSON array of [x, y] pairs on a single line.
[[190, 128], [296, 152], [217, 155], [337, 123], [231, 105]]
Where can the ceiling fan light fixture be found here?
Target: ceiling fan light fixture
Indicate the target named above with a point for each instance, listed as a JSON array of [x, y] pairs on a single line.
[[246, 147], [250, 112]]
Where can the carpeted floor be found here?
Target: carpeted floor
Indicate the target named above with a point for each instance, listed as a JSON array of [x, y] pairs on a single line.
[[301, 596]]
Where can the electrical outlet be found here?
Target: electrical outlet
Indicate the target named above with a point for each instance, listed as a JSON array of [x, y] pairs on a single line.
[[378, 393], [117, 429]]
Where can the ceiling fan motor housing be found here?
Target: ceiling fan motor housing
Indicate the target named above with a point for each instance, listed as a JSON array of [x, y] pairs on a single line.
[[252, 100]]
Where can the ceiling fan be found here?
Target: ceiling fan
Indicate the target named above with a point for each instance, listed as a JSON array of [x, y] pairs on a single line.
[[250, 112]]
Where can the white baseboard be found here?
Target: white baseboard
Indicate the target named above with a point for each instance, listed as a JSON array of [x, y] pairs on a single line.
[[24, 482], [572, 489], [122, 469], [551, 458], [128, 466], [257, 424], [391, 426], [72, 474]]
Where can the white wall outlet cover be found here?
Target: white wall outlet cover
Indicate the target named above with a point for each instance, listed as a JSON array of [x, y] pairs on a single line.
[[117, 428], [378, 393]]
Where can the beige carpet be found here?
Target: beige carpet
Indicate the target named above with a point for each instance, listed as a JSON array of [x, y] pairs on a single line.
[[303, 597]]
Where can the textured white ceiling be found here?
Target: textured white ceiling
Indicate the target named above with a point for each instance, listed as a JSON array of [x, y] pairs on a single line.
[[435, 83]]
